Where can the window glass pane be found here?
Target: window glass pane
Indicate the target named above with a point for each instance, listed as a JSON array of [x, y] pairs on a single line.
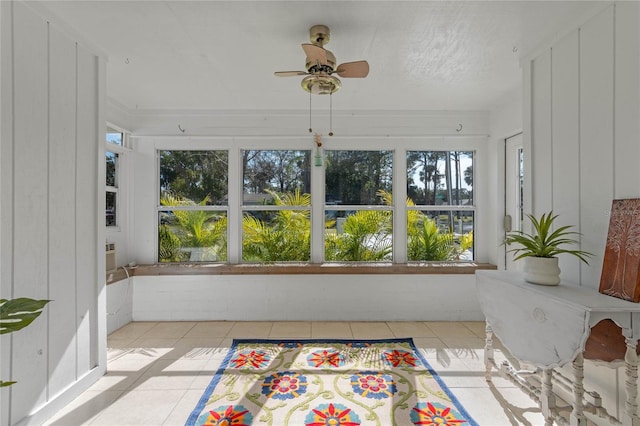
[[112, 167], [276, 236], [273, 174], [358, 236], [192, 236], [440, 177], [111, 208], [356, 177], [197, 176], [114, 137], [440, 235]]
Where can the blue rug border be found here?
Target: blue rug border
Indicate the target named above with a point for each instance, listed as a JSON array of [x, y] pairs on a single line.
[[232, 350]]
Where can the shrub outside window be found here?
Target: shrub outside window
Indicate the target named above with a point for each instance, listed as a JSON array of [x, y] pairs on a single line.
[[276, 206], [192, 207], [440, 209], [358, 206]]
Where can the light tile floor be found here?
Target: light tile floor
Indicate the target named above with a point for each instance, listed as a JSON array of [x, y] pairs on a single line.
[[157, 371]]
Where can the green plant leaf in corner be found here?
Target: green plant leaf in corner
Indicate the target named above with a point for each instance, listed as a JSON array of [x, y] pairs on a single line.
[[16, 314], [3, 384]]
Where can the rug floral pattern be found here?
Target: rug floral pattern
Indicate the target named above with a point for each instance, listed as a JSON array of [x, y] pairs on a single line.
[[327, 382]]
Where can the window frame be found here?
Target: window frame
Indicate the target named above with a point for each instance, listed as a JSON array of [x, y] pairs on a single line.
[[121, 151], [398, 145], [212, 207]]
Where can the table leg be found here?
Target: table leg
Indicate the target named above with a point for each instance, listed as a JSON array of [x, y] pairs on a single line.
[[577, 414], [488, 352], [547, 398], [631, 384]]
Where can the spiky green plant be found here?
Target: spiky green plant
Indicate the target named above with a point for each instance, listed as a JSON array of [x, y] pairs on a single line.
[[285, 237], [201, 229], [544, 241]]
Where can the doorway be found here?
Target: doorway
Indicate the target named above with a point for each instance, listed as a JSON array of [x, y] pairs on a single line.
[[513, 192]]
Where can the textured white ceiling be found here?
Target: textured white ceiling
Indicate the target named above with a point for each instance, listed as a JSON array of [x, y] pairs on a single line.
[[424, 55]]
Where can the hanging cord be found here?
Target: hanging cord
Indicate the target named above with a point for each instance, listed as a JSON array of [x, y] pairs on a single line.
[[310, 129], [331, 113]]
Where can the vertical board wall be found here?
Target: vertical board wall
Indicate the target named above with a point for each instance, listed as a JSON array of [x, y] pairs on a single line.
[[582, 135], [50, 222], [582, 132]]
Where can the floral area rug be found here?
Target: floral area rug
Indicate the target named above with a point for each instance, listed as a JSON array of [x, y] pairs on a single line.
[[327, 382]]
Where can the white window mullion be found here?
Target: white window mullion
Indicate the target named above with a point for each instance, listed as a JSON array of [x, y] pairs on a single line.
[[234, 215], [317, 211], [400, 205]]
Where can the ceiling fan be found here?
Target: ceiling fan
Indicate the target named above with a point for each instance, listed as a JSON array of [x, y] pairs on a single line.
[[321, 65]]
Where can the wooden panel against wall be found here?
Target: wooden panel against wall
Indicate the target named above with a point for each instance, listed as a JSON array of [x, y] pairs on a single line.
[[541, 134], [86, 211], [62, 235], [30, 222], [596, 137], [566, 141]]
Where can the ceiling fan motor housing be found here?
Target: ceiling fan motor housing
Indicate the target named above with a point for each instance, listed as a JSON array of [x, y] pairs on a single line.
[[319, 35]]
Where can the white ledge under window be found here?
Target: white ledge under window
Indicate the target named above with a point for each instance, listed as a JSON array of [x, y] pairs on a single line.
[[302, 268]]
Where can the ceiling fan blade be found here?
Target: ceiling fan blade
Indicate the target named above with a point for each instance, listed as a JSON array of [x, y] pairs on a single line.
[[289, 73], [315, 53], [356, 69]]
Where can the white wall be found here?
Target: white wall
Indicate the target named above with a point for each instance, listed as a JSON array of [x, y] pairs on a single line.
[[50, 199], [119, 304], [581, 135], [306, 298]]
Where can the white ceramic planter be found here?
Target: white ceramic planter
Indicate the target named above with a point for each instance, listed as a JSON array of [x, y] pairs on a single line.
[[542, 270]]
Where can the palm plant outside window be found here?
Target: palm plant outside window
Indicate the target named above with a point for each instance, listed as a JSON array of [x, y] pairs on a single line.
[[192, 208], [273, 213], [440, 206]]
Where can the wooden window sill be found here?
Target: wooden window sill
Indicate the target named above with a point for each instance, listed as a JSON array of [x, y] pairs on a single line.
[[446, 268]]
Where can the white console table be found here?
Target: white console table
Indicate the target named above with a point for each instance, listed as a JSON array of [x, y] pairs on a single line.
[[548, 326]]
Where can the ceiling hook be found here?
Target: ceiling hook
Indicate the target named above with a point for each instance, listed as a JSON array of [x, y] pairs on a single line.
[[181, 129], [459, 128]]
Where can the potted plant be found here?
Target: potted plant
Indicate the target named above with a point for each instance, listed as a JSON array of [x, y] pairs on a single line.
[[540, 248]]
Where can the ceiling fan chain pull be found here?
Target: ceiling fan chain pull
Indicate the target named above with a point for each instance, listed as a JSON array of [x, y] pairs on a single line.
[[310, 129], [331, 114]]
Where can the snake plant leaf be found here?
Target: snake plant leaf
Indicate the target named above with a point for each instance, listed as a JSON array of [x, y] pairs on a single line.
[[16, 314], [3, 384]]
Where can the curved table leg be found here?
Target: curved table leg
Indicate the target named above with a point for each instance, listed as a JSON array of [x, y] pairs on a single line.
[[631, 384], [547, 398], [577, 414]]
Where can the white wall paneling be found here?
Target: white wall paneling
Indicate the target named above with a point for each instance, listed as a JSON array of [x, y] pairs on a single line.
[[590, 124], [541, 172], [62, 216], [314, 298], [30, 207], [565, 146], [87, 215], [627, 100], [119, 304], [596, 137], [49, 209], [6, 194]]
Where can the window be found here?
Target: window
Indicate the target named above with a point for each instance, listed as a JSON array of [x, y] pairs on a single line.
[[112, 188], [276, 206], [440, 207], [115, 141], [192, 206], [358, 206], [280, 205]]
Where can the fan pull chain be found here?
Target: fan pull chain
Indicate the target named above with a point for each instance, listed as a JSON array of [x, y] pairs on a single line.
[[310, 129], [331, 113]]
